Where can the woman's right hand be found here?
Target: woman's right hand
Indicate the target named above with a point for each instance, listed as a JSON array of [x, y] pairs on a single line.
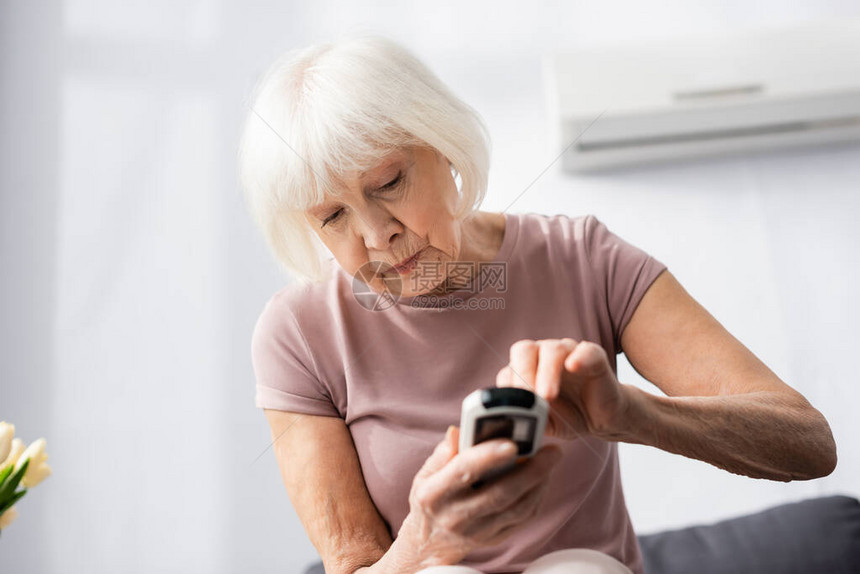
[[448, 518]]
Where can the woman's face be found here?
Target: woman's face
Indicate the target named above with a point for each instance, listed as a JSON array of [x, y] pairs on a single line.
[[401, 207]]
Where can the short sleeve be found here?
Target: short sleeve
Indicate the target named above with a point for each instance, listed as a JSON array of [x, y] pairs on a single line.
[[622, 273], [286, 378]]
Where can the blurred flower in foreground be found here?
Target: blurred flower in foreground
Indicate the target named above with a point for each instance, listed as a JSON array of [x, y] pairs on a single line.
[[18, 465], [14, 453], [37, 470], [7, 517], [7, 431]]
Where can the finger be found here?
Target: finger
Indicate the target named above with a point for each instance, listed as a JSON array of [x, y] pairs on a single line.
[[524, 508], [501, 492], [454, 440], [440, 456], [505, 377], [523, 363], [550, 365], [493, 528], [501, 535], [533, 470], [588, 358], [467, 467]]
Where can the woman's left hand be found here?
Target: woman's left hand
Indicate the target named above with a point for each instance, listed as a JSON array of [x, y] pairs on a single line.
[[577, 381]]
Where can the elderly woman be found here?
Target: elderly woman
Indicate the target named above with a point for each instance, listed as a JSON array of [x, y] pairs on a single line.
[[357, 148]]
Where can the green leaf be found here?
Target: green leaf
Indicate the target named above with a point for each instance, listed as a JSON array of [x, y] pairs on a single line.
[[5, 474], [12, 483], [8, 504]]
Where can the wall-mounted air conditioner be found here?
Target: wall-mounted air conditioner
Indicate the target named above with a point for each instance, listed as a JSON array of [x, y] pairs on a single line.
[[669, 100]]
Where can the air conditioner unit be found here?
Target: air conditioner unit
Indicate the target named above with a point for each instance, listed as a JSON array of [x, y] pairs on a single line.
[[669, 100]]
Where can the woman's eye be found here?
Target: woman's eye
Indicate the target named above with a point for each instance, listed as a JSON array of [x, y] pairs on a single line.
[[388, 186], [393, 183], [331, 217]]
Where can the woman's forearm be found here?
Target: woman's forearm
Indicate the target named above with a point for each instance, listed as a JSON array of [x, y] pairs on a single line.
[[761, 434]]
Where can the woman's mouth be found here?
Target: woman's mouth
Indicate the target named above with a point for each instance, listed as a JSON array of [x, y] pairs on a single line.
[[407, 265]]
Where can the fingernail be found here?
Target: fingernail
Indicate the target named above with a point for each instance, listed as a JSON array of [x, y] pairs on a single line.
[[506, 448]]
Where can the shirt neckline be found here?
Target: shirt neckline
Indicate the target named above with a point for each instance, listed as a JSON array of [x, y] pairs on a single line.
[[437, 302]]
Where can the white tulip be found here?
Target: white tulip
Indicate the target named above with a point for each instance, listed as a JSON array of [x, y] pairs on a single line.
[[14, 453], [7, 517], [37, 470], [7, 433], [36, 475]]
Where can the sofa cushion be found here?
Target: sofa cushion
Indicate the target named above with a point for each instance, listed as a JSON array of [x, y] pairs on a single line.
[[817, 536], [821, 535]]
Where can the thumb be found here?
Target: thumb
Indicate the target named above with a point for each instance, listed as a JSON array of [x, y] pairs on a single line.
[[444, 451]]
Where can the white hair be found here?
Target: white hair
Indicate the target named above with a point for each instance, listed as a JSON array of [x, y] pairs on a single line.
[[341, 106]]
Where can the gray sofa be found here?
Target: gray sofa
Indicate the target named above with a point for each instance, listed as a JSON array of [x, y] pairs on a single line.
[[817, 536]]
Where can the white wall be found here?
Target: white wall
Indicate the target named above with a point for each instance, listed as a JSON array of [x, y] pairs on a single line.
[[132, 276]]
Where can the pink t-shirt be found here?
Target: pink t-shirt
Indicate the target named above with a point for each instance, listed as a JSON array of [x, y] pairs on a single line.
[[397, 375]]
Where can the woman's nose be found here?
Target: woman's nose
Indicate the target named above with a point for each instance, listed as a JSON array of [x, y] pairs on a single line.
[[379, 228]]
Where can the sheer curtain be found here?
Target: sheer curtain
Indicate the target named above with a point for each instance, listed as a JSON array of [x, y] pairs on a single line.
[[133, 279], [132, 276]]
